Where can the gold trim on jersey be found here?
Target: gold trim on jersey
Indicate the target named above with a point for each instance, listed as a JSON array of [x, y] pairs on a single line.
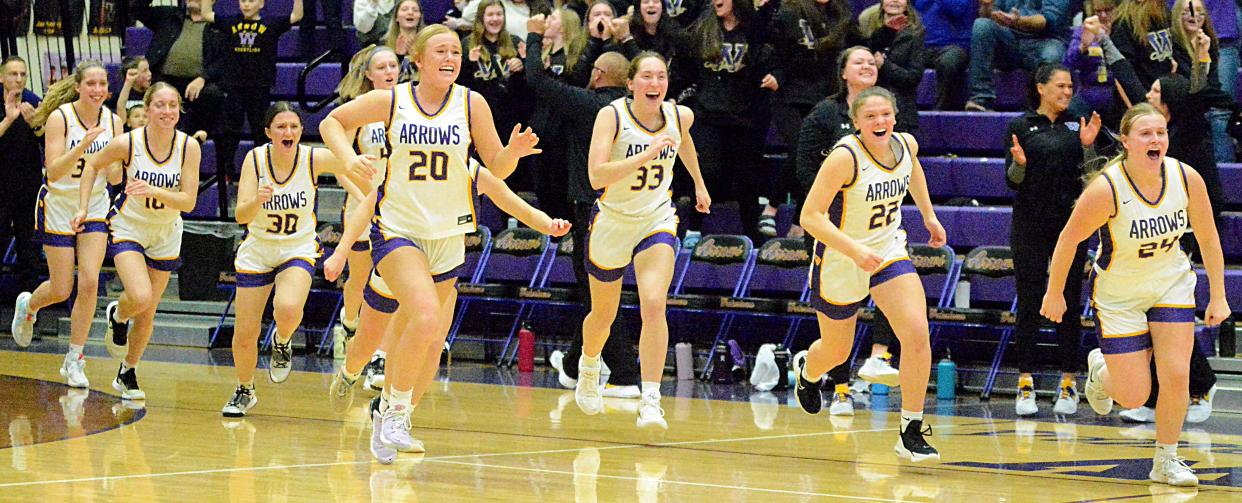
[[271, 167], [444, 105], [78, 118], [1164, 185], [146, 145], [643, 127], [886, 169]]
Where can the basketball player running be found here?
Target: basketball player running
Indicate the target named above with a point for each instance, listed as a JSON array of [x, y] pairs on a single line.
[[1144, 293], [144, 225], [424, 208], [276, 200], [374, 67], [634, 144], [76, 125], [854, 213]]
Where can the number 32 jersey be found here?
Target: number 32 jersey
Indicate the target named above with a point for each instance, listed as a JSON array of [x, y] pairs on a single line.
[[289, 217], [868, 208], [429, 188], [1141, 238], [646, 191]]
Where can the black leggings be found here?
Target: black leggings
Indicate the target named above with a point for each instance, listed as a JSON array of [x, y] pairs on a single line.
[[1032, 244], [788, 121], [729, 158]]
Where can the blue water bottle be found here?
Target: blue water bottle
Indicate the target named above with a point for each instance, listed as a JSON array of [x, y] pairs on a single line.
[[946, 379]]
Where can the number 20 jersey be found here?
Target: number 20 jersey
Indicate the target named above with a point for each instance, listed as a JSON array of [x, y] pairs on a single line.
[[429, 189], [646, 191], [868, 208], [1141, 238]]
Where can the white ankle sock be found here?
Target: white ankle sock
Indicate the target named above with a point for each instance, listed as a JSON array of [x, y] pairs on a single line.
[[907, 416], [1166, 450], [590, 361], [379, 353], [75, 351], [651, 388], [401, 399], [125, 367]]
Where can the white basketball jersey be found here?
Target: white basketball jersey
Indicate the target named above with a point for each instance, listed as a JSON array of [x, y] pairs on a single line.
[[164, 173], [868, 208], [372, 139], [645, 191], [428, 190], [290, 215], [1142, 237], [75, 132]]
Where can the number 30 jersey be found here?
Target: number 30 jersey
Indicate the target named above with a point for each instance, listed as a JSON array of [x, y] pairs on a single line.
[[429, 189], [1142, 237], [868, 208], [646, 190], [289, 217]]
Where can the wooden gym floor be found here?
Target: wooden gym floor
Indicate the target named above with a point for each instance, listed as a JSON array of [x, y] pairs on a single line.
[[518, 438]]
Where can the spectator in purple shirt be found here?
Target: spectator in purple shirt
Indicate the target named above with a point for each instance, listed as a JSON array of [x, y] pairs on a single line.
[[1084, 57]]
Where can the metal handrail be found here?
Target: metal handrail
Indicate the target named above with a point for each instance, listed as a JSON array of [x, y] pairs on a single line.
[[305, 73]]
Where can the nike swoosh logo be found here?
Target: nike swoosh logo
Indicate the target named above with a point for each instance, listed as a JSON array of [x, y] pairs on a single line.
[[1127, 201]]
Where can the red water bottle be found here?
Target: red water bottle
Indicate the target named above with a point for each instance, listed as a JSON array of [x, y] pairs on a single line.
[[526, 349]]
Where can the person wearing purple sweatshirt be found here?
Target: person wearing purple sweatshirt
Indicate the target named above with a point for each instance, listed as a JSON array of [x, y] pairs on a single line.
[[1083, 55], [947, 25]]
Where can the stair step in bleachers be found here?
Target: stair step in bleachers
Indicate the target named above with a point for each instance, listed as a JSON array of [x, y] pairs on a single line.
[[288, 48]]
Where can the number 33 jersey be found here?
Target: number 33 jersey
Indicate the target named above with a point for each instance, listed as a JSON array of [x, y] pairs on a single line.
[[868, 208], [289, 216], [428, 190], [646, 191], [1141, 237]]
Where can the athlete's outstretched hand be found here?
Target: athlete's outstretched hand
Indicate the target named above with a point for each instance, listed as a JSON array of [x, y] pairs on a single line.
[[938, 237], [334, 266], [1217, 311], [1053, 307], [867, 259], [522, 143], [558, 227], [702, 200]]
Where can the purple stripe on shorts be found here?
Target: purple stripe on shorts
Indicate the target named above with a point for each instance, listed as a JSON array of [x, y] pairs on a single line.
[[378, 302], [361, 246], [381, 247], [1125, 345], [94, 226], [893, 270], [657, 239], [298, 263], [451, 274], [253, 280], [117, 247], [834, 311], [1120, 345], [164, 264], [56, 240], [1171, 315]]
